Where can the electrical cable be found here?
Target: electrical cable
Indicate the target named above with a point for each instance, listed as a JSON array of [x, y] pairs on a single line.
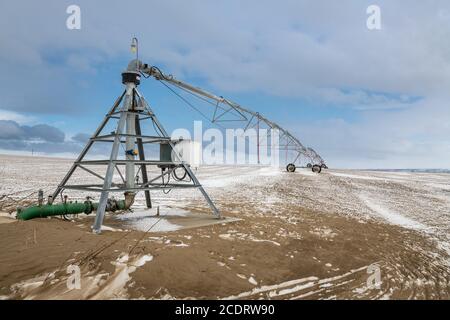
[[165, 184], [189, 104], [230, 109], [176, 177], [158, 132], [163, 78]]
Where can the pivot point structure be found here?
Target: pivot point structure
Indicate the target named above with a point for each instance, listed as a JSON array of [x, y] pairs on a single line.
[[131, 111]]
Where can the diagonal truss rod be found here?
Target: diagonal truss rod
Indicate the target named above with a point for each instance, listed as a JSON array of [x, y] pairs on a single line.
[[186, 167], [88, 146]]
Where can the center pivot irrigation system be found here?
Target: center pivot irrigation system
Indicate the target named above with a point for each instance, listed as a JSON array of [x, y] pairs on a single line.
[[128, 111], [228, 111]]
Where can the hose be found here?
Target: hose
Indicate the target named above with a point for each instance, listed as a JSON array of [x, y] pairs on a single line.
[[176, 177]]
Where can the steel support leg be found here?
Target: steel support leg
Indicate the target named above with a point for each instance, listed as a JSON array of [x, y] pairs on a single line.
[[148, 199], [109, 175], [185, 166]]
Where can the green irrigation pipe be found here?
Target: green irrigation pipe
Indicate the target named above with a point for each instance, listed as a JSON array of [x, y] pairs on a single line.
[[48, 210]]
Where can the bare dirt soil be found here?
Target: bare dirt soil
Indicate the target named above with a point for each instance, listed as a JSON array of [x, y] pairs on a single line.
[[301, 236]]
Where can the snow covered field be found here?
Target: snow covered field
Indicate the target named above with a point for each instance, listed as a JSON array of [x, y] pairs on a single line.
[[419, 201], [298, 216]]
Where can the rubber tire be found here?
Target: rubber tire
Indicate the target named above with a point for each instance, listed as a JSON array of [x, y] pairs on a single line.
[[290, 168], [316, 168], [309, 165]]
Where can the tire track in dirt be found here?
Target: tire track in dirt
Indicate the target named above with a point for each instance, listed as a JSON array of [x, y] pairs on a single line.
[[310, 287]]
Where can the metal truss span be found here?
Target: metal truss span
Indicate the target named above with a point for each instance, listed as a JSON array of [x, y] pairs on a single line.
[[225, 111]]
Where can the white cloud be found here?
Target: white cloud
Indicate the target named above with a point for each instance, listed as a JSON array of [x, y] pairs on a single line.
[[416, 137], [318, 50], [291, 48], [17, 117]]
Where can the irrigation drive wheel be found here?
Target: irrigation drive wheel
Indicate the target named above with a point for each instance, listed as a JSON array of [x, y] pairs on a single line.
[[316, 168], [291, 167]]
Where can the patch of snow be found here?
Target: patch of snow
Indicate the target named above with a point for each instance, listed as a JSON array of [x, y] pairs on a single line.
[[391, 216], [107, 228], [291, 290], [115, 284], [144, 213], [6, 215], [146, 223], [293, 286], [143, 260], [442, 186], [269, 288], [353, 176], [226, 236], [252, 281], [262, 240], [305, 172], [180, 244], [95, 285], [269, 171], [323, 232]]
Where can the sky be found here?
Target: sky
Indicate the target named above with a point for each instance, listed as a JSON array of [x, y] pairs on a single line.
[[361, 98]]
